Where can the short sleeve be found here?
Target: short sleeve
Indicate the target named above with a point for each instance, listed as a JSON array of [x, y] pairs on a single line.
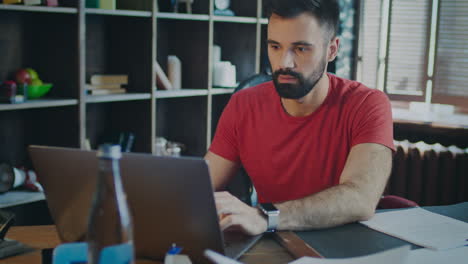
[[373, 122], [225, 142]]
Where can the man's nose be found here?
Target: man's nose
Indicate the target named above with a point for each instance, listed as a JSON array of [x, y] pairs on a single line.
[[287, 60]]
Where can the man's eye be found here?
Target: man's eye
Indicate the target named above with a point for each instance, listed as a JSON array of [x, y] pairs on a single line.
[[301, 49], [275, 47]]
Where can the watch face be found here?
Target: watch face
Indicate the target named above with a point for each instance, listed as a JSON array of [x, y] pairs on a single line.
[[269, 207], [222, 4]]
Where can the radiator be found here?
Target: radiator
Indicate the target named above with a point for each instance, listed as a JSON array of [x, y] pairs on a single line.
[[429, 174]]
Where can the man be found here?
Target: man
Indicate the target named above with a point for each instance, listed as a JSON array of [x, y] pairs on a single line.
[[317, 146]]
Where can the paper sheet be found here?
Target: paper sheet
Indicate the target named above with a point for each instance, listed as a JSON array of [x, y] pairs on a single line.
[[421, 227], [426, 256], [391, 256]]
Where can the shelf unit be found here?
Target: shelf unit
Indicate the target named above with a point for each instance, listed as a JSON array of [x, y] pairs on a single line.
[[66, 45]]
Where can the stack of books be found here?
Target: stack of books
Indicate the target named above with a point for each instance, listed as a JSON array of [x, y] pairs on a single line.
[[107, 84]]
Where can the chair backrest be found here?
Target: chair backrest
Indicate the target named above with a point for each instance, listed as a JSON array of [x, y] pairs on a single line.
[[253, 81]]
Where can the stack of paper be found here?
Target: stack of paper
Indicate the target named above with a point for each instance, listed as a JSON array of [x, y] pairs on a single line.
[[422, 228]]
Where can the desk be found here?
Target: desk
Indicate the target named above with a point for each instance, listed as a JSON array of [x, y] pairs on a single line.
[[267, 250], [344, 241]]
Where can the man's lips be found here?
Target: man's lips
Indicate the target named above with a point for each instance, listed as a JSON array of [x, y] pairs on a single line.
[[287, 79]]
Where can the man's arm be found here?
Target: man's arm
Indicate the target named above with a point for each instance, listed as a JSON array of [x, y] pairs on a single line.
[[233, 213], [362, 183], [355, 198], [221, 170]]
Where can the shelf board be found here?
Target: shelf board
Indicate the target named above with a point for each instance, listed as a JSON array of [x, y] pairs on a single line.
[[234, 19], [46, 9], [117, 97], [118, 12], [38, 103], [264, 21], [181, 93], [179, 16], [14, 198], [222, 90]]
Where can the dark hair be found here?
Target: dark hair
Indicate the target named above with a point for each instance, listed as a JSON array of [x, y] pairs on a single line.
[[326, 11]]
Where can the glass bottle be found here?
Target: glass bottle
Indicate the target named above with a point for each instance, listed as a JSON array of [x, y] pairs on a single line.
[[110, 222]]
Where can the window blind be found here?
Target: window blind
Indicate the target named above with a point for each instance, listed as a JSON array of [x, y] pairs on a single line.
[[408, 47], [451, 68], [369, 34]]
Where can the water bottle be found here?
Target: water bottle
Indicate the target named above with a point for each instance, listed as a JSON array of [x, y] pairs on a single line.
[[110, 222]]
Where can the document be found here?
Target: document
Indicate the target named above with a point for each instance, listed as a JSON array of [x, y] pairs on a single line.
[[421, 227], [426, 256], [391, 256]]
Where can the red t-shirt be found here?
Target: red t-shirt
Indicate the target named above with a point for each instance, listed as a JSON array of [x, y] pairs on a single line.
[[289, 157]]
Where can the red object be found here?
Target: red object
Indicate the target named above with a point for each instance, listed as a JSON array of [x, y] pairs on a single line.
[[394, 202], [8, 91], [51, 2], [288, 157], [22, 76]]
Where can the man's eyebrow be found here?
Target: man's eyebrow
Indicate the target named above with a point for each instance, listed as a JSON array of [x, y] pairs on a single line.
[[302, 43], [270, 41]]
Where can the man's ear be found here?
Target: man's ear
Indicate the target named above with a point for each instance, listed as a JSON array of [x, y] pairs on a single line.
[[333, 47]]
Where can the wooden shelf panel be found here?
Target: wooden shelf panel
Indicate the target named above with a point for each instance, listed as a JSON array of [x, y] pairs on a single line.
[[234, 19], [179, 16], [222, 90], [117, 97], [46, 9], [181, 93], [14, 198], [264, 21], [130, 13], [39, 103]]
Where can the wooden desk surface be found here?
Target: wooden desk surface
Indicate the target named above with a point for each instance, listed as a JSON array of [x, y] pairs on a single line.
[[267, 250]]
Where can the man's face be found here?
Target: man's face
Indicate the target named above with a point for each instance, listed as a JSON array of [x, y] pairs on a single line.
[[298, 52]]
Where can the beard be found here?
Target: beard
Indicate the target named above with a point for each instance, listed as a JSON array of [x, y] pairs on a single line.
[[303, 85]]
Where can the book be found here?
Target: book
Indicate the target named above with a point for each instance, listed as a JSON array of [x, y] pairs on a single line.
[[32, 2], [107, 4], [161, 79], [92, 3], [109, 79], [103, 86], [106, 91], [50, 2], [10, 2]]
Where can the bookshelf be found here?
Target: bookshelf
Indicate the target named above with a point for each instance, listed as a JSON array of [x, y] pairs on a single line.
[[67, 45]]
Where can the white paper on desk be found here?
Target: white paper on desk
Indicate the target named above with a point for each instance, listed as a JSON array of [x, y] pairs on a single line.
[[218, 258], [426, 256], [421, 227], [391, 256]]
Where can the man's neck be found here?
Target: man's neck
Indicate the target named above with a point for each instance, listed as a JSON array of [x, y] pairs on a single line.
[[308, 104]]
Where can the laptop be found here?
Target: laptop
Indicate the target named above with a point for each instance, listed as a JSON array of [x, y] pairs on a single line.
[[171, 200]]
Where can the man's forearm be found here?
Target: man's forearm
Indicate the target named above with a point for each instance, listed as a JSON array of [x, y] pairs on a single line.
[[334, 206], [355, 198]]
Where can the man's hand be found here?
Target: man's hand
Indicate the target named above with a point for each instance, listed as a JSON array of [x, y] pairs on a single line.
[[236, 215]]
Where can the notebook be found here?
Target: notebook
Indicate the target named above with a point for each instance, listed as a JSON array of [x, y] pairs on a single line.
[[171, 200]]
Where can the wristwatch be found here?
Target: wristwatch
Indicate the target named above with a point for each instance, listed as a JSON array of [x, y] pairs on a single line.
[[272, 215]]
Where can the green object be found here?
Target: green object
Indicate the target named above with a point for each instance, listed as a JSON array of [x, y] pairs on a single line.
[[36, 91], [92, 3], [107, 4], [32, 73], [36, 82]]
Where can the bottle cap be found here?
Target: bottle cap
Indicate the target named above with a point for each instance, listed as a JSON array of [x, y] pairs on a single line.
[[109, 151]]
